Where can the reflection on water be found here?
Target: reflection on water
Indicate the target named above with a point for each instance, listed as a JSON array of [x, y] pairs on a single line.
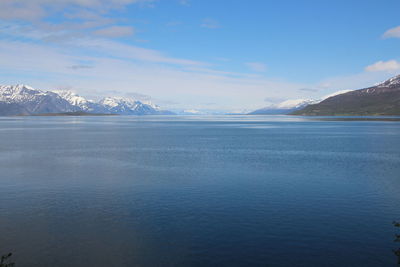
[[198, 191]]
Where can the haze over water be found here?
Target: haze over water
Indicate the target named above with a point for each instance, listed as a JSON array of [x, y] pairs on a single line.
[[198, 191]]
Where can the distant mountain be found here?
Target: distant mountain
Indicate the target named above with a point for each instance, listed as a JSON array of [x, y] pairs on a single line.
[[198, 112], [191, 112], [129, 106], [284, 107], [82, 103], [24, 100], [381, 99]]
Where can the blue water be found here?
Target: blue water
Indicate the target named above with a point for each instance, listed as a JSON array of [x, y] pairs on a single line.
[[198, 191]]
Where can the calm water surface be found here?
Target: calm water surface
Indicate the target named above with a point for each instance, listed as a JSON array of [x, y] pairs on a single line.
[[198, 191]]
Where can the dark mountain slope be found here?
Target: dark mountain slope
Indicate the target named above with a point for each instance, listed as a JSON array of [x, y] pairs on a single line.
[[382, 99]]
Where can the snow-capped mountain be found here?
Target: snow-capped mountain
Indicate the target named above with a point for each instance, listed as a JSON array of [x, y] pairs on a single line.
[[333, 94], [129, 106], [381, 99], [292, 105], [75, 99], [82, 103], [22, 99], [284, 107], [25, 100], [393, 82]]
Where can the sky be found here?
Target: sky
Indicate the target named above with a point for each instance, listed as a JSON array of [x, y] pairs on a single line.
[[230, 55]]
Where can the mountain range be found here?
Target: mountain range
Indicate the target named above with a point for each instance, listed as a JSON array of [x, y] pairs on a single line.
[[380, 99], [25, 100], [284, 107], [289, 106]]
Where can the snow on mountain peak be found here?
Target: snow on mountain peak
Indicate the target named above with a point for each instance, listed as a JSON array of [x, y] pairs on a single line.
[[15, 89], [394, 81], [294, 103], [18, 93], [118, 101], [32, 101], [73, 98]]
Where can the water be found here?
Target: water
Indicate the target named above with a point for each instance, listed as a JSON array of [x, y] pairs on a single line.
[[198, 191]]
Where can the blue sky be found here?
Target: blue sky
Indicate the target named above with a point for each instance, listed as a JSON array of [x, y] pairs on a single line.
[[200, 54]]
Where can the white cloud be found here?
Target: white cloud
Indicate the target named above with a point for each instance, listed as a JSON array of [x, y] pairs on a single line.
[[386, 66], [392, 33], [24, 10], [70, 56], [210, 23], [93, 44], [36, 9], [257, 66], [178, 83], [184, 2], [80, 67], [76, 18], [129, 52], [115, 31], [191, 88]]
